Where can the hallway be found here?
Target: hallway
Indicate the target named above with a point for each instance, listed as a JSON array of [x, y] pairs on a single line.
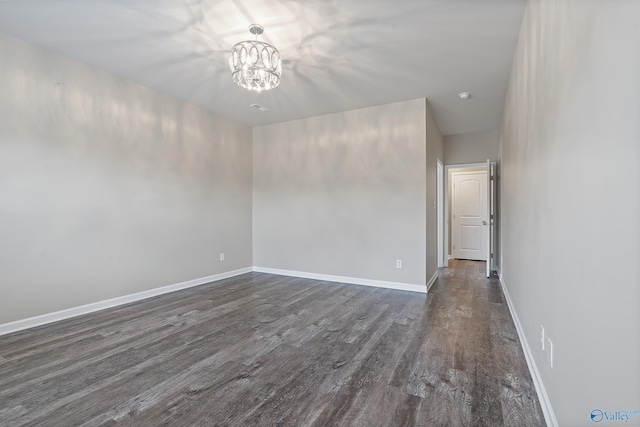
[[473, 345]]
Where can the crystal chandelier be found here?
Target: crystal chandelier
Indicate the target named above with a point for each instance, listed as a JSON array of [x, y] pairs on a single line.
[[255, 65]]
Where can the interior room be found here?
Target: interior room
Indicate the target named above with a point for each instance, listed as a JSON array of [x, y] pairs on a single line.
[[248, 212]]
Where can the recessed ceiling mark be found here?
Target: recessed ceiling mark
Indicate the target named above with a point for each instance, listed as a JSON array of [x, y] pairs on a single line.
[[259, 107]]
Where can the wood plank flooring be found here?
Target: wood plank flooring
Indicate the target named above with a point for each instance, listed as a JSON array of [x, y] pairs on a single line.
[[266, 350]]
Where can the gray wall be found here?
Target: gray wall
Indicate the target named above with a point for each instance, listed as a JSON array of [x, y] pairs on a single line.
[[108, 188], [570, 146], [343, 194], [434, 153], [475, 147]]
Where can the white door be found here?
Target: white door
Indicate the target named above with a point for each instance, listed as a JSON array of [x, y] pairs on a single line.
[[469, 203]]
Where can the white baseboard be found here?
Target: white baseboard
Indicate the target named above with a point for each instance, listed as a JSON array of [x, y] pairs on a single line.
[[32, 322], [343, 279], [433, 279], [43, 319], [545, 402]]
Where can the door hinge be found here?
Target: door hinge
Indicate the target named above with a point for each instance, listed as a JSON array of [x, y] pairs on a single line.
[[491, 216]]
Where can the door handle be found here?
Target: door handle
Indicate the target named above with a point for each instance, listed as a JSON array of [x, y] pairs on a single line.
[[484, 223]]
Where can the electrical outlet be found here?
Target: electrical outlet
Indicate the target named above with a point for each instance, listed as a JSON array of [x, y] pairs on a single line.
[[550, 352], [221, 256], [542, 336], [398, 263]]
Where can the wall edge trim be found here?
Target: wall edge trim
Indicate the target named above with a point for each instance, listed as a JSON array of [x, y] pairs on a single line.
[[541, 391], [433, 279], [69, 313], [344, 279]]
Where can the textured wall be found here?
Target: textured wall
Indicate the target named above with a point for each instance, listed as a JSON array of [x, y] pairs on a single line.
[[108, 188], [570, 199], [475, 147], [343, 194]]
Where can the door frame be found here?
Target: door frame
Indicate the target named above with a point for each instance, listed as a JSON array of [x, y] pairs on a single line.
[[441, 206], [447, 197]]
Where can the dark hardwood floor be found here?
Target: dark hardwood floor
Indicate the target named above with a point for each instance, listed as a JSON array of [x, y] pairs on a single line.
[[265, 350]]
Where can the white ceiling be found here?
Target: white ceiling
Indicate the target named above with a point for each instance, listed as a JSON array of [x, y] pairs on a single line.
[[338, 55]]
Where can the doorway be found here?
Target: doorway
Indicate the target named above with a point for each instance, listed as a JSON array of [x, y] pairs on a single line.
[[469, 213]]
